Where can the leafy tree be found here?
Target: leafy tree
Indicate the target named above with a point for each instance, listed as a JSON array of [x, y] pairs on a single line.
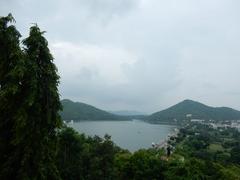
[[235, 154], [103, 152], [81, 157], [143, 164], [70, 156], [35, 137], [11, 95]]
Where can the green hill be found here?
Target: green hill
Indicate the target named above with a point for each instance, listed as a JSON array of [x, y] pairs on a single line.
[[198, 111], [81, 111]]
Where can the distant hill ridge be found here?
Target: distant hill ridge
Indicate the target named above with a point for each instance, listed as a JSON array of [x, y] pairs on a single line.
[[198, 111], [81, 111]]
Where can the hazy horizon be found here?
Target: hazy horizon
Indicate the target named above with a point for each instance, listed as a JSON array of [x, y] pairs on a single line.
[[141, 55]]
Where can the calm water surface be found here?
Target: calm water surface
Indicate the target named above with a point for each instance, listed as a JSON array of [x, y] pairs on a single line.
[[131, 135]]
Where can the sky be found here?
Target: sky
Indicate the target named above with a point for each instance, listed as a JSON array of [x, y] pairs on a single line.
[[143, 55]]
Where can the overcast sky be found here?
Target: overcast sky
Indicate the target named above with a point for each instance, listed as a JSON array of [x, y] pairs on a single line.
[[140, 55]]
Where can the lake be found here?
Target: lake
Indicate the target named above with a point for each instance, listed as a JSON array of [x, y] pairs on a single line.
[[131, 135]]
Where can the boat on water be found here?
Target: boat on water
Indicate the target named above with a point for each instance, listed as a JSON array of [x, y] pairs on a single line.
[[68, 122]]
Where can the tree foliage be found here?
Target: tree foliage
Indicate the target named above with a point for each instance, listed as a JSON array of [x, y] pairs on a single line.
[[11, 94], [81, 157], [29, 105]]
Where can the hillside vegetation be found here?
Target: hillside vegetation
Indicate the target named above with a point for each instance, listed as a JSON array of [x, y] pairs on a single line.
[[81, 111], [198, 110], [177, 113]]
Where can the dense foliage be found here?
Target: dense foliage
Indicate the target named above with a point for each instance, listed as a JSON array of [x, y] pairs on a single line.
[[220, 145], [198, 110], [216, 148], [81, 157], [11, 95], [29, 105]]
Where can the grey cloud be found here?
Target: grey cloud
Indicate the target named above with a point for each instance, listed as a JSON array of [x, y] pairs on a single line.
[[72, 16], [141, 54], [108, 7]]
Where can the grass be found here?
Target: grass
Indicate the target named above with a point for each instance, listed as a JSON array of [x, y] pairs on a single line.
[[215, 147]]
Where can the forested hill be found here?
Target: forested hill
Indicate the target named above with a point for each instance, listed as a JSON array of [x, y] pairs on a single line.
[[198, 111], [81, 111]]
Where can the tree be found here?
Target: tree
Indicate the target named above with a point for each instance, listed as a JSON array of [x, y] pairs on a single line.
[[36, 133], [235, 155], [11, 93], [70, 156]]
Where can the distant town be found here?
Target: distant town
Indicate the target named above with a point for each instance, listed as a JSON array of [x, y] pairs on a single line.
[[215, 124]]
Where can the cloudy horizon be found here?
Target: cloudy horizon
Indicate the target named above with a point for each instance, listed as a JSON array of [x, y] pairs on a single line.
[[142, 55]]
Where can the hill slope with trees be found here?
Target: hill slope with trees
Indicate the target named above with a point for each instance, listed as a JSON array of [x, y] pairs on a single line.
[[198, 110], [81, 111]]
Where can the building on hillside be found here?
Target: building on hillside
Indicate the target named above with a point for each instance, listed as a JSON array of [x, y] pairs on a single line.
[[197, 120]]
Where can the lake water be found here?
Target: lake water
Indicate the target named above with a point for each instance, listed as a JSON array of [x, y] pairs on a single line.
[[131, 135]]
